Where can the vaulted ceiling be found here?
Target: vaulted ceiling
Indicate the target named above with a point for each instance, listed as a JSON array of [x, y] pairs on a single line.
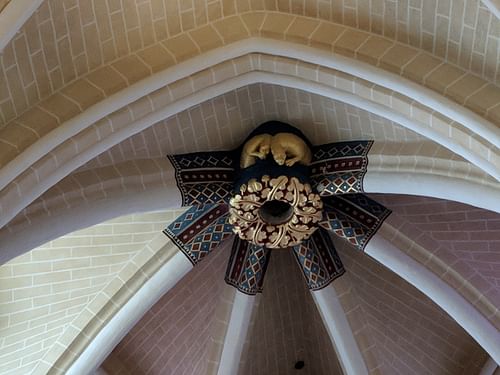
[[94, 94]]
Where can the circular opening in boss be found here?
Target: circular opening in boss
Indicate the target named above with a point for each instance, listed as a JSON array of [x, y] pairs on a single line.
[[276, 212]]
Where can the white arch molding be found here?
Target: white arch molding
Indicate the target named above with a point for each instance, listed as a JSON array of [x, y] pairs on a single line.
[[236, 333], [393, 258], [97, 211], [379, 248], [196, 98], [164, 194], [493, 6], [13, 17], [475, 123], [45, 227], [339, 330], [466, 315], [489, 367]]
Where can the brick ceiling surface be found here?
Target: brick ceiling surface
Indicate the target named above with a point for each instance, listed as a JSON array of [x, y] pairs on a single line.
[[471, 234], [399, 330], [410, 334]]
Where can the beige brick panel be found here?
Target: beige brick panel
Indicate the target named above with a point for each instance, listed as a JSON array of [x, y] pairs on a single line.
[[64, 41], [46, 290], [157, 57], [379, 51], [231, 29], [120, 119]]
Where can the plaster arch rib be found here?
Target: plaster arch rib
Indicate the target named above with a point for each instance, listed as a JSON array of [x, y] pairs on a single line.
[[141, 185], [13, 15], [152, 108], [493, 6], [102, 92], [491, 113], [70, 106], [464, 33], [104, 325], [155, 194]]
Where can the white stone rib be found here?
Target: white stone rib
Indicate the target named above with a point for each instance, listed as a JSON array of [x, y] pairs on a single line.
[[432, 185], [466, 315], [48, 228], [13, 17], [340, 331], [427, 97], [44, 228], [219, 89], [122, 322], [493, 6], [236, 333], [489, 367]]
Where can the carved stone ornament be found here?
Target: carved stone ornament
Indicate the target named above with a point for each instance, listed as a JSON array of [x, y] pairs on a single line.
[[275, 212], [275, 190], [286, 149]]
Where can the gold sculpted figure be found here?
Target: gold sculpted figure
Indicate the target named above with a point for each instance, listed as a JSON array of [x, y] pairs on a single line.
[[288, 149], [256, 147]]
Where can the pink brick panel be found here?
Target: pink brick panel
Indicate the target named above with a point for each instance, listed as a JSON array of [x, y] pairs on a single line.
[[223, 122], [412, 335], [288, 327], [173, 336], [471, 234]]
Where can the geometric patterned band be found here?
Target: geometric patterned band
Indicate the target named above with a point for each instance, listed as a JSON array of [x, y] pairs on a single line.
[[353, 217], [204, 177], [199, 230], [339, 168], [247, 266], [318, 260], [206, 182]]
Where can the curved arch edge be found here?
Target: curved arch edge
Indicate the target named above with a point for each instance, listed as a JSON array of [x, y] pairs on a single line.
[[48, 226], [493, 6], [489, 367], [218, 89], [339, 330], [471, 320], [432, 185], [127, 316], [13, 17], [236, 332], [13, 244], [425, 96]]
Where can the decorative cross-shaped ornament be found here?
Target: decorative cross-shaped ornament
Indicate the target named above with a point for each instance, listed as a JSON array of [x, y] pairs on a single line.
[[275, 191]]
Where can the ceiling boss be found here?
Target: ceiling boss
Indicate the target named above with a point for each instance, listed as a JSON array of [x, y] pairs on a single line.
[[274, 205], [275, 191]]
